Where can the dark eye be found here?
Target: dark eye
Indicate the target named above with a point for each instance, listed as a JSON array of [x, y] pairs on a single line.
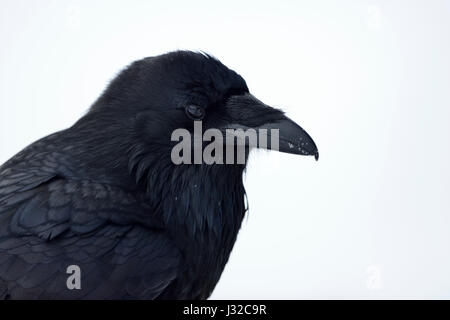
[[195, 112]]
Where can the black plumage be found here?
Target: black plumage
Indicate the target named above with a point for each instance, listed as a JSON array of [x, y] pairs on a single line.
[[105, 195]]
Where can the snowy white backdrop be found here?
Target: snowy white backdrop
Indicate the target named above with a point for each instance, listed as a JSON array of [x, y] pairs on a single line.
[[369, 80]]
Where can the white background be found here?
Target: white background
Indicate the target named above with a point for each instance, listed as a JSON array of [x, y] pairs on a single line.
[[369, 80]]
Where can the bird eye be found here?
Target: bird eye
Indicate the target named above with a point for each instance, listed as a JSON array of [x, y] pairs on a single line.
[[195, 112]]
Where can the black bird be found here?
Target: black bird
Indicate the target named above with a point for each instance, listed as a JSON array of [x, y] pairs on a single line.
[[105, 195]]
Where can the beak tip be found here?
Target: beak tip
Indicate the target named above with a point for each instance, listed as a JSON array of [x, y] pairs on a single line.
[[316, 155]]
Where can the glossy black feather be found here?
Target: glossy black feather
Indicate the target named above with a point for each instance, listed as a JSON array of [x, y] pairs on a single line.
[[105, 195]]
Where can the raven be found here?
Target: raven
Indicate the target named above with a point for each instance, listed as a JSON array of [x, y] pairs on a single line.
[[104, 196]]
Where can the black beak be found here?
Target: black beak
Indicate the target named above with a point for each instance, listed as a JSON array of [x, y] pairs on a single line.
[[292, 138], [282, 133]]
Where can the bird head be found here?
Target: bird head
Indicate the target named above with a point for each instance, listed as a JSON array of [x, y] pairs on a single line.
[[176, 90]]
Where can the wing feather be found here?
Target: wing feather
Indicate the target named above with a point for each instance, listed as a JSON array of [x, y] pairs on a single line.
[[49, 222]]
